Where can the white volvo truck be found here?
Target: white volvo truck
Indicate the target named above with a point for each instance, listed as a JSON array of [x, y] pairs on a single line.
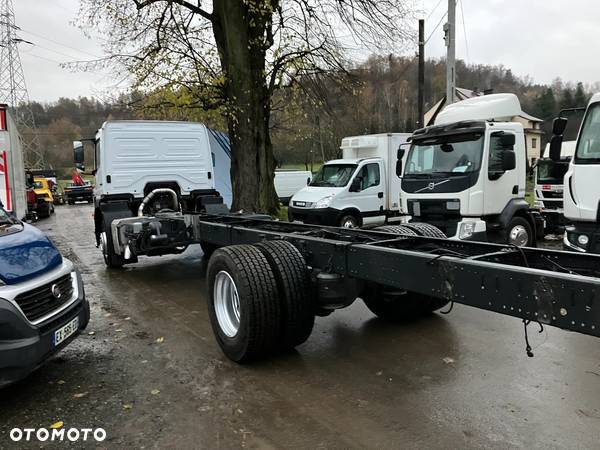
[[180, 163], [466, 174], [12, 170], [582, 181], [362, 188]]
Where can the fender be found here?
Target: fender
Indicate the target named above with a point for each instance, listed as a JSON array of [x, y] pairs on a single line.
[[510, 210], [109, 211]]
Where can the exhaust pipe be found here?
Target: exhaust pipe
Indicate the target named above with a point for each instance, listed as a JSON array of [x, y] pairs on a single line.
[[151, 195]]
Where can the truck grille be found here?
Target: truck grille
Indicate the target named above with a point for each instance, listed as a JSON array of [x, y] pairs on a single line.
[[552, 194], [41, 301]]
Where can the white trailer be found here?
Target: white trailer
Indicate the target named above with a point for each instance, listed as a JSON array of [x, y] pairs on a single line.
[[12, 170], [362, 188]]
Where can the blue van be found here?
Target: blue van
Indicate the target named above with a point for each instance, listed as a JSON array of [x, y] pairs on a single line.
[[42, 301]]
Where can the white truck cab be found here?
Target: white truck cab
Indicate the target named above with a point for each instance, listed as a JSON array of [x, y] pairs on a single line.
[[549, 188], [582, 188], [149, 167], [466, 174], [361, 189]]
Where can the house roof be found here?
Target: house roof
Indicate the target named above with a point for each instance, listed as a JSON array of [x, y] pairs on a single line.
[[529, 117]]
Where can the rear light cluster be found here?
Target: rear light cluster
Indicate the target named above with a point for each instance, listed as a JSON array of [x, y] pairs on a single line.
[[2, 118]]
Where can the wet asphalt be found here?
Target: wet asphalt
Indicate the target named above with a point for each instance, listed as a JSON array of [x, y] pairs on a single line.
[[149, 372]]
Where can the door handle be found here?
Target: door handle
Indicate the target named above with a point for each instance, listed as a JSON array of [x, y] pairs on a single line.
[[380, 195]]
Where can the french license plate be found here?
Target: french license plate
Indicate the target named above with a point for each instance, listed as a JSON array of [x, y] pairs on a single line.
[[65, 331]]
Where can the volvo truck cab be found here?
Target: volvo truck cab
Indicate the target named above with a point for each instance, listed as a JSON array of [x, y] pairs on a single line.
[[466, 174]]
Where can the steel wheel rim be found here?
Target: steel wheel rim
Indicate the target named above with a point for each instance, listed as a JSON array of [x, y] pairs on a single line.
[[348, 223], [103, 243], [226, 303], [518, 236]]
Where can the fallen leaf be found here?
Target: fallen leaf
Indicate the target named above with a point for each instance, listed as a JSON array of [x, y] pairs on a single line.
[[91, 333], [57, 425], [118, 330], [127, 406], [160, 340], [127, 318], [60, 382], [80, 394], [144, 361], [448, 360], [155, 392], [107, 315], [379, 373]]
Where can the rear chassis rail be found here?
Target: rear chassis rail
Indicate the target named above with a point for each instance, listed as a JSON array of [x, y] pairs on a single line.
[[557, 288]]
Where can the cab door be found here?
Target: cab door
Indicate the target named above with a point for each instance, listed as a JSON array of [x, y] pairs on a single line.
[[368, 192], [501, 186]]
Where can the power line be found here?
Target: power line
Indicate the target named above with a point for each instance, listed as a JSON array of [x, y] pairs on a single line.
[[462, 13], [61, 44], [436, 27], [433, 10], [42, 57]]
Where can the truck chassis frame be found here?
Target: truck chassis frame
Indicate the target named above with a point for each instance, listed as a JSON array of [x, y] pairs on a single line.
[[551, 287]]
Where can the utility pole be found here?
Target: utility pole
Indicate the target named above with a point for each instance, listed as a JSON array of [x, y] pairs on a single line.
[[13, 89], [450, 38], [420, 96]]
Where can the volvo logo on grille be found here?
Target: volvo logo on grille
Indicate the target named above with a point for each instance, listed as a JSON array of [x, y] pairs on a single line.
[[55, 289]]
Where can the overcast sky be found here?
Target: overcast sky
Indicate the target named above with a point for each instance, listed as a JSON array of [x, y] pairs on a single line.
[[541, 38]]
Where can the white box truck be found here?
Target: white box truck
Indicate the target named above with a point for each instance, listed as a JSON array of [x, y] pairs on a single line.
[[362, 188], [182, 163], [12, 171]]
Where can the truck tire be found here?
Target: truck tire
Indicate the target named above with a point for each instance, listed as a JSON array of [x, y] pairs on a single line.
[[44, 211], [426, 230], [519, 232], [398, 306], [293, 285], [71, 202], [349, 220], [111, 259], [243, 304], [397, 229]]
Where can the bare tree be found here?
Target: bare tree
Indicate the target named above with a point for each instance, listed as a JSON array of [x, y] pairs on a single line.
[[233, 54]]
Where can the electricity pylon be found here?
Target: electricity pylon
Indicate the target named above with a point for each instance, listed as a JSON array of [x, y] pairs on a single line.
[[13, 89]]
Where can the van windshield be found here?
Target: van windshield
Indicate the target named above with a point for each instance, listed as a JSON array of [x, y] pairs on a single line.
[[588, 144], [551, 172], [333, 175], [436, 157]]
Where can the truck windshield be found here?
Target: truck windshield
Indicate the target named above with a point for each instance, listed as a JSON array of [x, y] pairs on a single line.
[[551, 172], [588, 144], [444, 158], [333, 175]]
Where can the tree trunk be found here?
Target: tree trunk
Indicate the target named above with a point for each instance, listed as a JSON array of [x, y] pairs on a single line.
[[240, 29]]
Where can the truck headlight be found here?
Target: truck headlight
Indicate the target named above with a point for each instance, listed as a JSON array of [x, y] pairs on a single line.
[[466, 230], [324, 202], [583, 240]]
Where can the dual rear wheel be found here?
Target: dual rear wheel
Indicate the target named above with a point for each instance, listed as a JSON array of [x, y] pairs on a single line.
[[259, 299]]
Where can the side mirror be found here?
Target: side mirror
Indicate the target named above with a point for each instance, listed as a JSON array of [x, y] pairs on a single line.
[[307, 181], [509, 161], [400, 153], [355, 186], [399, 167], [507, 140], [558, 125], [555, 146], [78, 154]]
